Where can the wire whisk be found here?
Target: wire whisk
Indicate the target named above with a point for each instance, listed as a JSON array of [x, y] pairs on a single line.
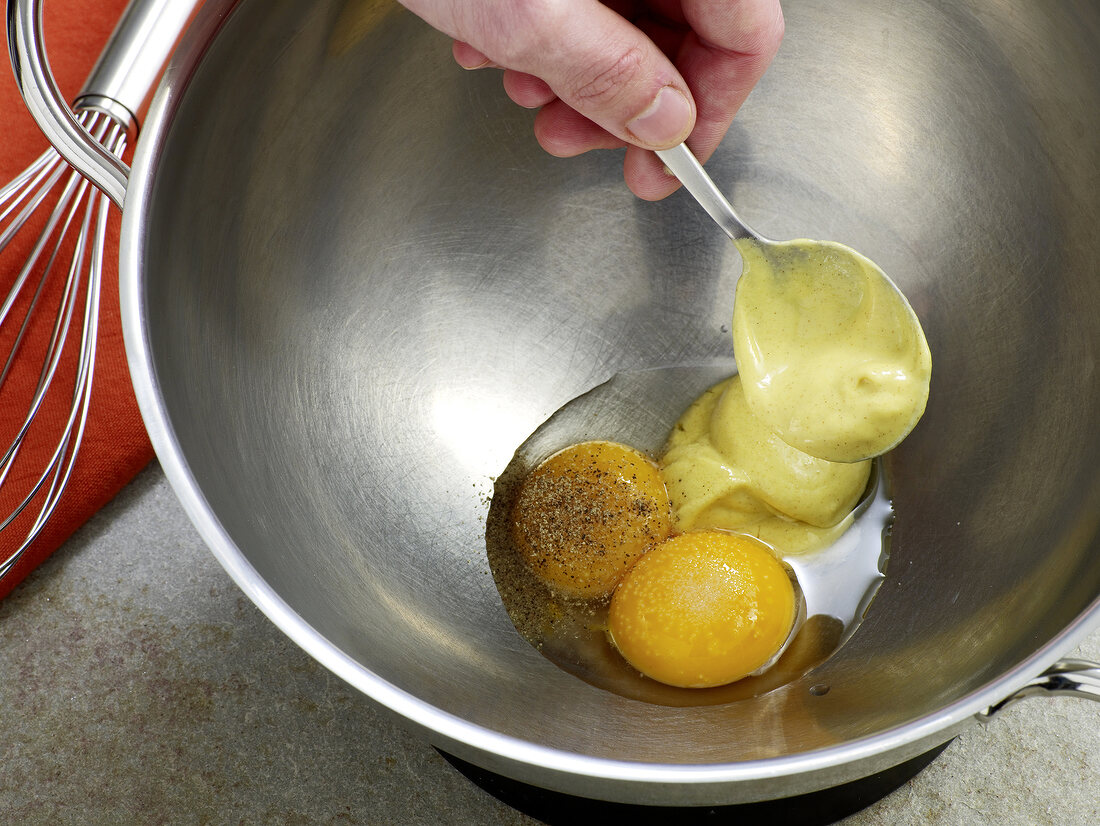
[[49, 319], [68, 279]]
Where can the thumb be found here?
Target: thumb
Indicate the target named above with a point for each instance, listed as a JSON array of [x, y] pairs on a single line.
[[592, 58]]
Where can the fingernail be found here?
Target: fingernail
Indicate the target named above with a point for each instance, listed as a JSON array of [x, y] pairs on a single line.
[[473, 64], [467, 56], [665, 121]]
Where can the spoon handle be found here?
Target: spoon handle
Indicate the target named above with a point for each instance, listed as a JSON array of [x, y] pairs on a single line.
[[685, 166]]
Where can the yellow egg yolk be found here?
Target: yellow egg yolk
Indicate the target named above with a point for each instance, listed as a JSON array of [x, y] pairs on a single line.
[[583, 516], [703, 609]]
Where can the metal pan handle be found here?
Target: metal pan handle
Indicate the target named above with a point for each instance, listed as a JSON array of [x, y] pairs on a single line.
[[1066, 678], [118, 85]]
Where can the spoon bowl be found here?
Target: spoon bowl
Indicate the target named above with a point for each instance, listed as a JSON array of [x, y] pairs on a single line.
[[832, 357]]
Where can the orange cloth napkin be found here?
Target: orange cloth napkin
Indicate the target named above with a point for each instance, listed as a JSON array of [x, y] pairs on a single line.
[[115, 445]]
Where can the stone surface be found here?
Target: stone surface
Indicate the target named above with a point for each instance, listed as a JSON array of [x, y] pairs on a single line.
[[138, 685]]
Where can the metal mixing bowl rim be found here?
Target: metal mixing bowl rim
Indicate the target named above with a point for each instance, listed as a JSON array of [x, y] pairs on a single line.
[[916, 735]]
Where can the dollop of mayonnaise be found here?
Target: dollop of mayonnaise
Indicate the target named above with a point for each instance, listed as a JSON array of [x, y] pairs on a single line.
[[724, 468], [832, 357]]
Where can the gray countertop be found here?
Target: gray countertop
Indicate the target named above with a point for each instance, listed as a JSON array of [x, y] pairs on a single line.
[[138, 685]]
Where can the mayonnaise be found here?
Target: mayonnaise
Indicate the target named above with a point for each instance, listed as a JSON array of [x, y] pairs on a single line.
[[724, 468], [832, 357]]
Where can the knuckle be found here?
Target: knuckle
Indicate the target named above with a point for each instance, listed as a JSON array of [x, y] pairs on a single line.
[[608, 77]]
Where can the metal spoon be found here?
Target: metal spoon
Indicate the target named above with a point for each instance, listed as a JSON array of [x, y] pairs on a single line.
[[639, 408], [684, 165], [827, 285]]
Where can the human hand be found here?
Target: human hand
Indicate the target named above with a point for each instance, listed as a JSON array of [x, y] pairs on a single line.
[[644, 74]]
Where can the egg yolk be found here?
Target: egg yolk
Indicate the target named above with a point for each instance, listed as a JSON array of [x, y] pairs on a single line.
[[703, 609], [583, 516]]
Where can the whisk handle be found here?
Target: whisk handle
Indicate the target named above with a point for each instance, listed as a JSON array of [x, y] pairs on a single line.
[[132, 60], [124, 70]]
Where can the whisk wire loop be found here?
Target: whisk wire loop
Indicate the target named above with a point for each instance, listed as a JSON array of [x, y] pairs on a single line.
[[83, 209]]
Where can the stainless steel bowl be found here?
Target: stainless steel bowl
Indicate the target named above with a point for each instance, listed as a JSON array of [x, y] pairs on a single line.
[[353, 284]]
